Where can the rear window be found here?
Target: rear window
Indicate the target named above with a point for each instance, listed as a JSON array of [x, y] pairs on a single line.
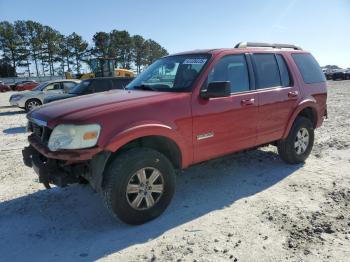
[[309, 68], [266, 70]]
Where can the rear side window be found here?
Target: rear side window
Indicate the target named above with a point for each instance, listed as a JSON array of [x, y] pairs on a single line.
[[69, 85], [231, 68], [266, 70], [309, 68], [283, 70]]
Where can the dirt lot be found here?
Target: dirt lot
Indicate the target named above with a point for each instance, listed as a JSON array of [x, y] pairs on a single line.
[[244, 207]]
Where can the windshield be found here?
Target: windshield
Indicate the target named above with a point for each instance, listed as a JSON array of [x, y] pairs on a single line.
[[40, 87], [172, 73], [80, 88]]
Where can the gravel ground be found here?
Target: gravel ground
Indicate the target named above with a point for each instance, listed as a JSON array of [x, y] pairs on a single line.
[[244, 207]]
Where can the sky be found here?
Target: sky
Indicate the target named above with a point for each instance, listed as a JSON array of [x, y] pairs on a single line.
[[319, 26]]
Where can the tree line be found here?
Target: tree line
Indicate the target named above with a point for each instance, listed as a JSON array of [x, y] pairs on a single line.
[[41, 50]]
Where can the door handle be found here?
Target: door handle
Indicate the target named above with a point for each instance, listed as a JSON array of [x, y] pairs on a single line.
[[293, 93], [247, 102]]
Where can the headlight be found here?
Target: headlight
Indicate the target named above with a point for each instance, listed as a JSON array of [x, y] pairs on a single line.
[[74, 136], [16, 97]]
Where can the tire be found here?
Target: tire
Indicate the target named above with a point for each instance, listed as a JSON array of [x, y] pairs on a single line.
[[122, 172], [31, 104], [292, 149]]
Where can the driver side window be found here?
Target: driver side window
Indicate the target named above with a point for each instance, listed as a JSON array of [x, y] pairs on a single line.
[[231, 68], [54, 86]]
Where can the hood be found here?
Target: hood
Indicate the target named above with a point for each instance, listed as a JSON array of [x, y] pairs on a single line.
[[88, 108], [51, 98], [28, 93]]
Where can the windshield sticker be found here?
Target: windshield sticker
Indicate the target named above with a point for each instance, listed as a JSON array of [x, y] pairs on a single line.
[[195, 61]]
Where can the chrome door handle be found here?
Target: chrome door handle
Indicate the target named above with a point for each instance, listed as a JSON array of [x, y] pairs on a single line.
[[293, 93], [247, 102]]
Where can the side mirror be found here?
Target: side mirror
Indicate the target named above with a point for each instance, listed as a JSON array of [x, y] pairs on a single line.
[[217, 89]]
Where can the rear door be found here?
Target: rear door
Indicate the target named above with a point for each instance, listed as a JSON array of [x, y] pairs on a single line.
[[68, 86], [278, 95], [226, 124]]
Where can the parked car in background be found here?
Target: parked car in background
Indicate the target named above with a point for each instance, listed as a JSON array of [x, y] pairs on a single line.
[[4, 87], [29, 100], [327, 73], [93, 85], [24, 85], [182, 110], [347, 74], [339, 75]]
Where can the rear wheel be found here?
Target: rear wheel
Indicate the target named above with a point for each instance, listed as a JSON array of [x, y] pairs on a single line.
[[138, 185], [298, 145], [32, 103]]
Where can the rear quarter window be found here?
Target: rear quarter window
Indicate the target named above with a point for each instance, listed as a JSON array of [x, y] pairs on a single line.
[[309, 68]]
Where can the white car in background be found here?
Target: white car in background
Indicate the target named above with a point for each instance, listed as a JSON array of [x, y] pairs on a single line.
[[29, 100]]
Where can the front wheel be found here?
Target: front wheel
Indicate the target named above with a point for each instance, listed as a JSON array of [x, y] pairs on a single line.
[[31, 104], [297, 146], [138, 185]]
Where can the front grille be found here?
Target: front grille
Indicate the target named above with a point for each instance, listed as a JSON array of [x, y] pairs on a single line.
[[41, 132]]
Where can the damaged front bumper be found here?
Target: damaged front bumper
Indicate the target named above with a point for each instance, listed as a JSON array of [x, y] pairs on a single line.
[[67, 166]]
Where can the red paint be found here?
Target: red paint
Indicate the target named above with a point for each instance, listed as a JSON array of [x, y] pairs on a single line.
[[4, 88], [26, 86], [241, 121]]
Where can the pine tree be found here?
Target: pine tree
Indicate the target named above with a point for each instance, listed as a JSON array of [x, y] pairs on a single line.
[[77, 47]]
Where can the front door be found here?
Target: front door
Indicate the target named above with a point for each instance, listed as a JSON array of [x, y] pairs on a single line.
[[227, 124]]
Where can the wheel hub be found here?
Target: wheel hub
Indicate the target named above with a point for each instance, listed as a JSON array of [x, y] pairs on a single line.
[[145, 188], [301, 141]]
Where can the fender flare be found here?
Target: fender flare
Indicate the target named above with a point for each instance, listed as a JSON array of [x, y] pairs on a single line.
[[144, 130], [310, 102]]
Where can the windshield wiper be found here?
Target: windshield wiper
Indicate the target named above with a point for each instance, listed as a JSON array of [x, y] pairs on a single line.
[[145, 87]]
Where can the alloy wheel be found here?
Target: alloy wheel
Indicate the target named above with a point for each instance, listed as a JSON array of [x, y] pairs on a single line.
[[145, 188], [301, 141], [33, 104]]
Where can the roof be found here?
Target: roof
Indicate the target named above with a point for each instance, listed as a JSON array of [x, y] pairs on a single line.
[[251, 46], [238, 50], [63, 80], [109, 77]]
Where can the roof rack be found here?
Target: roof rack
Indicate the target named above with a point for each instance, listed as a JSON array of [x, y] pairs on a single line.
[[254, 44]]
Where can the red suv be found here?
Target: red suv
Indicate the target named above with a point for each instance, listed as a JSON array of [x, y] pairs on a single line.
[[183, 109]]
